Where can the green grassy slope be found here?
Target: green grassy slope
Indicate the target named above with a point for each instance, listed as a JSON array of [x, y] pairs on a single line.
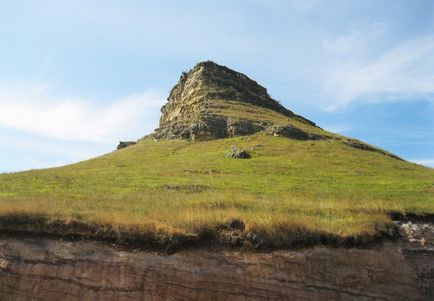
[[189, 188]]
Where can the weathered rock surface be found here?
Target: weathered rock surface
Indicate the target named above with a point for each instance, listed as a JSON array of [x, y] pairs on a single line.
[[291, 132], [124, 144], [418, 249], [212, 101], [237, 153], [192, 108], [32, 269]]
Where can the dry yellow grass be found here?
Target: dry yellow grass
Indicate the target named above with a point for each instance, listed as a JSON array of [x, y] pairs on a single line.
[[288, 190]]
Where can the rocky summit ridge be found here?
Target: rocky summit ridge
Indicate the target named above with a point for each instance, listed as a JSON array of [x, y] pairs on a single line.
[[212, 101]]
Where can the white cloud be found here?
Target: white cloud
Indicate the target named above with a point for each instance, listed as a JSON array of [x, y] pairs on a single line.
[[403, 71], [34, 110], [426, 162], [356, 41], [27, 151], [340, 129]]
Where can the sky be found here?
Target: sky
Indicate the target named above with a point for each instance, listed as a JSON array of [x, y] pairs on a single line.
[[76, 77]]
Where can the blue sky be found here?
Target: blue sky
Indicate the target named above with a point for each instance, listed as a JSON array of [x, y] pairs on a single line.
[[78, 76]]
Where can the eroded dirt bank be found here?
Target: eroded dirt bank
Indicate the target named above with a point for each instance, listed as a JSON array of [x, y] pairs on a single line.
[[44, 269]]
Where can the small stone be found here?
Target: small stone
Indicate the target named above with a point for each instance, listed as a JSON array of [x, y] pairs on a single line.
[[237, 153]]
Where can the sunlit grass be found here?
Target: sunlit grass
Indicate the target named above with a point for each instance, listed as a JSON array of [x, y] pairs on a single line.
[[185, 187]]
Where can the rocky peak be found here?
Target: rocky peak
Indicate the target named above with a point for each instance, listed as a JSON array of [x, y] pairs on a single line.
[[206, 100]]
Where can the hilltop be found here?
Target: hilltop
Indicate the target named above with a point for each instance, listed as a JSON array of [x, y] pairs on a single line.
[[213, 101], [297, 184]]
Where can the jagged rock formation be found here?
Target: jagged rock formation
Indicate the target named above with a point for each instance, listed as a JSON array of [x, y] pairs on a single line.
[[213, 101]]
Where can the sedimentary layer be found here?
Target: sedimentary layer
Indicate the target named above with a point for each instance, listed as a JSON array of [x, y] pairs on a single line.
[[32, 269]]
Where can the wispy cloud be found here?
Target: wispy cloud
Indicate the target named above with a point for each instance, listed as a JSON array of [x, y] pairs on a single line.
[[426, 162], [355, 42], [340, 129], [404, 71], [32, 109]]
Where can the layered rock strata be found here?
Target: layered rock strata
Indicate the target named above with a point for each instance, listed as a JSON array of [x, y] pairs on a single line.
[[52, 270], [44, 269], [192, 107]]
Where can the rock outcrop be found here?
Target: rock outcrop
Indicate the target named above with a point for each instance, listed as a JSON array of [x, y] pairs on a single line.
[[57, 270], [212, 101], [197, 106], [45, 269], [124, 144]]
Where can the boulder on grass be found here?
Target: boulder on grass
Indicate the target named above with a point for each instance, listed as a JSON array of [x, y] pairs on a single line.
[[237, 153]]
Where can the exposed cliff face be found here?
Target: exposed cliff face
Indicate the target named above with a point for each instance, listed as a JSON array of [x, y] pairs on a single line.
[[209, 81], [33, 269], [52, 270], [197, 106]]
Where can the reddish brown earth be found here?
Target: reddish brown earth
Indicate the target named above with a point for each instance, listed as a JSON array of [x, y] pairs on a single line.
[[32, 269], [48, 269]]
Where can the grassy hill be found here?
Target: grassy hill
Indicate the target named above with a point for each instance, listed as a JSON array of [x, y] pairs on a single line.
[[302, 185], [288, 192]]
